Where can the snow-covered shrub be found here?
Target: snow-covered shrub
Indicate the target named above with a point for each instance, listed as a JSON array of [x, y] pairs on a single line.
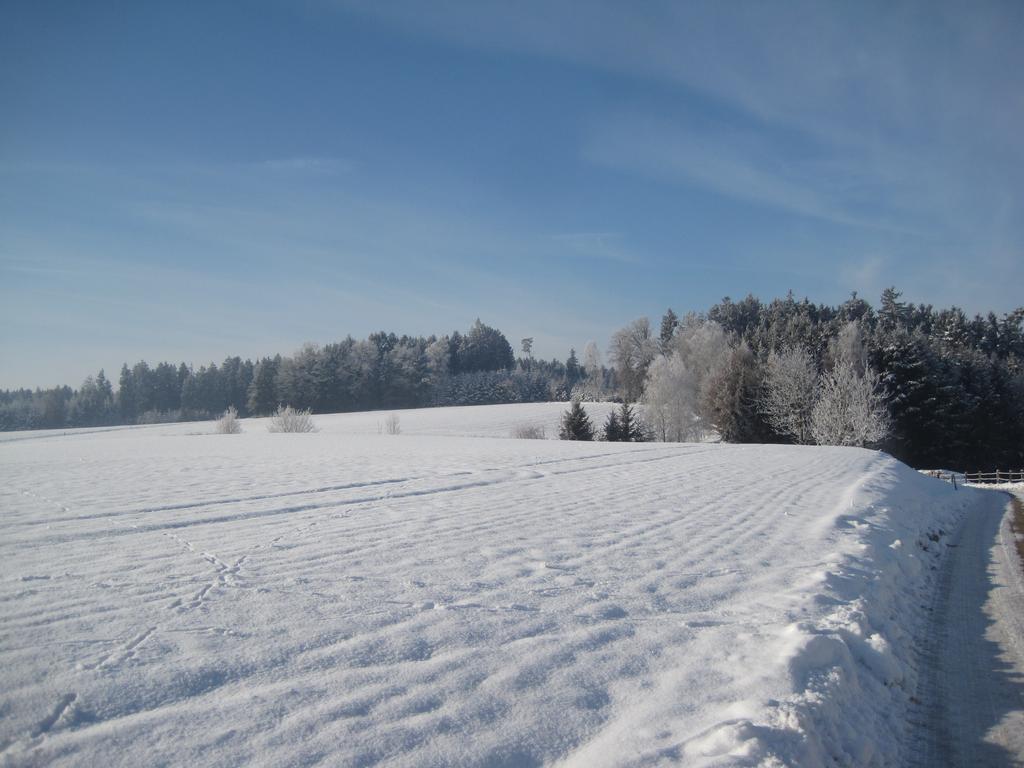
[[393, 424], [287, 419], [228, 424], [528, 432]]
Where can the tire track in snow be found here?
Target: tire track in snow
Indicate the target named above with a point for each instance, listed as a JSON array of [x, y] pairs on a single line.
[[480, 482], [970, 698]]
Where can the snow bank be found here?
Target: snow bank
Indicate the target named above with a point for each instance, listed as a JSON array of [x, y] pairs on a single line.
[[853, 668], [428, 598]]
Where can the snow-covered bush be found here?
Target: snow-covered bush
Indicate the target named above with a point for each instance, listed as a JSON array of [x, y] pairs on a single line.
[[287, 419], [529, 432], [228, 424], [393, 424]]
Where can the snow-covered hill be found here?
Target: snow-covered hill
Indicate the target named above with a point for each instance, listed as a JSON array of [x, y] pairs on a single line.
[[431, 598]]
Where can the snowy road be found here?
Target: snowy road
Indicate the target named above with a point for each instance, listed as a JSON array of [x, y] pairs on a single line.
[[974, 694]]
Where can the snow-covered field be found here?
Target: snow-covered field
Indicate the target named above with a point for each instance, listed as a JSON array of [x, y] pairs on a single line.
[[449, 596]]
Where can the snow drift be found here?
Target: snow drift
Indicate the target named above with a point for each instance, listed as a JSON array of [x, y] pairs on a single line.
[[353, 598]]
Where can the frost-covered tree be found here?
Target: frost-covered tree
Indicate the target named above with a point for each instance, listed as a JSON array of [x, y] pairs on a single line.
[[670, 400], [850, 347], [703, 347], [851, 408], [591, 385], [631, 351], [790, 393], [437, 359]]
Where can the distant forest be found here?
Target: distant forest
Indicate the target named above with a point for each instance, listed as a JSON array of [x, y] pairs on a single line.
[[952, 386]]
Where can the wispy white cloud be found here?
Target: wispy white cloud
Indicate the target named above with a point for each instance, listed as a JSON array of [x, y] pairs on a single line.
[[911, 112], [739, 165]]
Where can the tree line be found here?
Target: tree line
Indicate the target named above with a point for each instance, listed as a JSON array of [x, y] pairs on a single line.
[[381, 371], [933, 387]]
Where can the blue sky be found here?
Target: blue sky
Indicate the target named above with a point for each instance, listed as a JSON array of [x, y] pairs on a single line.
[[185, 181]]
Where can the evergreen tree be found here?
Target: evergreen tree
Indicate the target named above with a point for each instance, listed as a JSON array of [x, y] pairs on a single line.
[[126, 402], [730, 395], [166, 389], [485, 349], [625, 426], [612, 428], [576, 424], [631, 424], [892, 313], [669, 323], [573, 371], [262, 395], [918, 394]]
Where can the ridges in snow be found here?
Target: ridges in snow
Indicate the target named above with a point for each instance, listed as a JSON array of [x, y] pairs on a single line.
[[492, 602]]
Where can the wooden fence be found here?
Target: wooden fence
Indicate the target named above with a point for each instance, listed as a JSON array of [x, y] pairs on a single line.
[[979, 478], [999, 476]]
